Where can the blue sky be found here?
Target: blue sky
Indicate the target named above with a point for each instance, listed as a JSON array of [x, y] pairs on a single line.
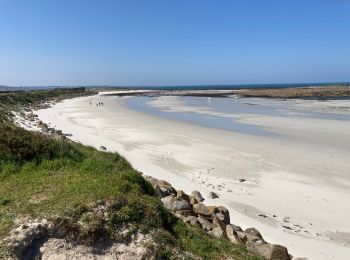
[[173, 42]]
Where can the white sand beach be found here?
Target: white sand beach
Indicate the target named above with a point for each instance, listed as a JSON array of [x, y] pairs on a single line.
[[295, 181]]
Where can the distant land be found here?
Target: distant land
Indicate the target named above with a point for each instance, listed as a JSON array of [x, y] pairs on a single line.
[[180, 87]]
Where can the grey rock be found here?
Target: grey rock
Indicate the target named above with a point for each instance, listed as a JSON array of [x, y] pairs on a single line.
[[180, 205], [185, 213], [201, 209], [220, 212], [272, 252], [182, 195], [253, 231], [168, 201], [242, 236], [233, 236], [207, 225], [197, 195], [193, 200], [191, 219], [219, 223], [213, 195]]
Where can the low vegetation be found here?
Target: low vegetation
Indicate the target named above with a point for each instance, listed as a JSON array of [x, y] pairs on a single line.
[[44, 178]]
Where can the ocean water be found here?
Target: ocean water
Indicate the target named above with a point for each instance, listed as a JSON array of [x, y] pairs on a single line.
[[237, 86], [224, 113]]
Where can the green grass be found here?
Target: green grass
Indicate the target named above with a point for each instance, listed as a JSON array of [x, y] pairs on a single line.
[[44, 178]]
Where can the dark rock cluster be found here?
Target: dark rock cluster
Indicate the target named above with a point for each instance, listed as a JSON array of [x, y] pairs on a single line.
[[215, 220]]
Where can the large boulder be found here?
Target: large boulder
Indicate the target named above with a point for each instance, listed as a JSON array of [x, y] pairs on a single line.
[[201, 210], [219, 223], [169, 201], [185, 213], [233, 236], [163, 189], [221, 213], [193, 200], [253, 231], [179, 204], [197, 195], [182, 195], [272, 252], [191, 219], [207, 225]]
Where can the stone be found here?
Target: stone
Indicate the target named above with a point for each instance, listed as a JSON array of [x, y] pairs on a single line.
[[103, 148], [217, 232], [219, 223], [191, 219], [272, 252], [253, 231], [201, 209], [220, 212], [185, 213], [182, 195], [168, 201], [242, 236], [213, 195], [252, 237], [163, 190], [197, 195], [233, 236], [242, 180], [150, 179], [236, 228], [193, 200], [180, 205], [207, 225]]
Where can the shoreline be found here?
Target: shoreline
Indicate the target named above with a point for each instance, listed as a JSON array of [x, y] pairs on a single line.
[[313, 93], [178, 181]]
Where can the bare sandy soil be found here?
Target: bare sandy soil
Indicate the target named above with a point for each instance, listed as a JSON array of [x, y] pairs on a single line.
[[293, 186]]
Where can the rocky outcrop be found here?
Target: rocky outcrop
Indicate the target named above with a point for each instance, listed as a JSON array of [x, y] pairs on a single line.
[[215, 220]]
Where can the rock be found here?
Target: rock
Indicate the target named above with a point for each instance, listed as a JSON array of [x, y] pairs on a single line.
[[242, 236], [193, 200], [220, 212], [253, 231], [213, 195], [184, 213], [272, 252], [198, 196], [201, 209], [219, 223], [236, 228], [233, 236], [180, 205], [150, 179], [217, 232], [242, 180], [207, 225], [103, 148], [254, 239], [163, 189], [191, 219], [182, 195], [168, 201]]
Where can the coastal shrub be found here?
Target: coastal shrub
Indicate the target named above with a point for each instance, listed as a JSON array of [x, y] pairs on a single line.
[[19, 145], [4, 201]]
